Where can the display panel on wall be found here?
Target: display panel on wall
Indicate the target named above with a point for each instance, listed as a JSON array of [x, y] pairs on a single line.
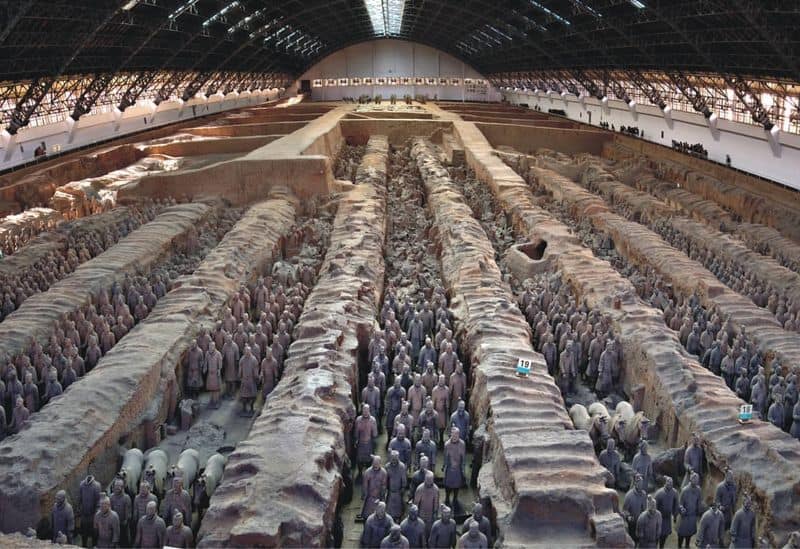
[[470, 83]]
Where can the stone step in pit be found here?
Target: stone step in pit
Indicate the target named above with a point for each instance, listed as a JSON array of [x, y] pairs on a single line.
[[133, 387], [542, 476], [641, 246], [283, 482], [679, 395], [29, 268]]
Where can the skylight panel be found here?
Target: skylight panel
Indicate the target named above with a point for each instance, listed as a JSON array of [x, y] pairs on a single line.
[[551, 13], [182, 9], [386, 16], [221, 13], [586, 7], [638, 4]]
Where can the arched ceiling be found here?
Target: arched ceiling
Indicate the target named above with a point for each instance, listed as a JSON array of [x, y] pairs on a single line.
[[42, 40]]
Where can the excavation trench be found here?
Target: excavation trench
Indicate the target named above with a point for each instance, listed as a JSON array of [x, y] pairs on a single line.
[[760, 238], [283, 483], [547, 486], [142, 250], [678, 394], [117, 300], [133, 389], [699, 240], [30, 270], [412, 280], [751, 204], [641, 246]]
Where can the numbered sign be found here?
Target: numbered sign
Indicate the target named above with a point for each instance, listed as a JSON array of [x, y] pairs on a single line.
[[745, 412], [523, 367]]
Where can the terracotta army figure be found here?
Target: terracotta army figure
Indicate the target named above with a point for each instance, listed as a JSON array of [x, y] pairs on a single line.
[[374, 482], [377, 527], [402, 446], [418, 477], [428, 419], [648, 525], [365, 433], [643, 464], [443, 533], [248, 375], [429, 378], [372, 395], [396, 485], [4, 427], [178, 534], [711, 528], [447, 361], [230, 363], [213, 366], [725, 496], [106, 524], [611, 460], [458, 386], [634, 505], [30, 394], [394, 400], [428, 354], [426, 447], [90, 492], [460, 420], [605, 380], [455, 452], [776, 412], [413, 528], [194, 374], [176, 500], [140, 503], [53, 388], [416, 397], [395, 539], [484, 526], [667, 504], [426, 498], [743, 526], [473, 538], [795, 428], [689, 503], [404, 418], [550, 352], [150, 529], [269, 373], [416, 335], [62, 518], [441, 403], [693, 458], [121, 505]]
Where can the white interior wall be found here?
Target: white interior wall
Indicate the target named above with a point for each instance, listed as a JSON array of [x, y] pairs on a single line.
[[394, 58], [90, 129], [750, 147]]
